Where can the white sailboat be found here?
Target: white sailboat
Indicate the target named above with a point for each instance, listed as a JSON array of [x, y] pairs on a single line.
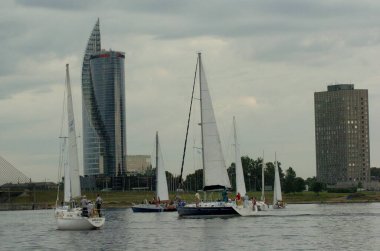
[[246, 207], [240, 183], [261, 204], [162, 194], [277, 195], [68, 215], [215, 177]]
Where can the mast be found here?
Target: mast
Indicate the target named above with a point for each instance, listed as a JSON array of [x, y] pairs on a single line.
[[262, 179], [187, 128], [200, 99], [157, 173]]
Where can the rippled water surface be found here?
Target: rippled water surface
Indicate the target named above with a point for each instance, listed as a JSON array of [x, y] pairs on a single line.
[[299, 227]]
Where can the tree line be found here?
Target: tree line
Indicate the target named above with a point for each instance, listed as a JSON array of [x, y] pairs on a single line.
[[252, 170]]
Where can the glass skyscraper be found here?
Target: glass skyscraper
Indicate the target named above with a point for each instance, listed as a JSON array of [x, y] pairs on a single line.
[[103, 109], [342, 135]]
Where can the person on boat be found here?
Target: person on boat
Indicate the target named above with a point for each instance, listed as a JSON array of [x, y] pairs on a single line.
[[90, 208], [224, 195], [197, 199], [84, 203], [254, 204], [238, 198], [98, 203], [246, 200]]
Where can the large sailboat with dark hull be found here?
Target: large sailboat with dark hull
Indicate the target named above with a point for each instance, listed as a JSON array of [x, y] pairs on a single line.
[[215, 176]]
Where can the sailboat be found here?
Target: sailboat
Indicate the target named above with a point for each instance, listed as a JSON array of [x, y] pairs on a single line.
[[261, 204], [161, 199], [240, 183], [215, 177], [277, 195], [247, 207], [68, 215]]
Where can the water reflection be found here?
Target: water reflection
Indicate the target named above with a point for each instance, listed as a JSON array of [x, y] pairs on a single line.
[[299, 227]]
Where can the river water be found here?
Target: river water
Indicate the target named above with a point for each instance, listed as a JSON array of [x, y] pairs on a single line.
[[298, 227]]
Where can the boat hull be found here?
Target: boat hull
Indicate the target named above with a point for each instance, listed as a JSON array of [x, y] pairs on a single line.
[[170, 209], [143, 208], [72, 220], [207, 209]]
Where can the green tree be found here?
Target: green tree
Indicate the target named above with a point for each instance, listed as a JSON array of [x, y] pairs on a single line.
[[289, 181], [194, 181], [316, 187], [299, 184]]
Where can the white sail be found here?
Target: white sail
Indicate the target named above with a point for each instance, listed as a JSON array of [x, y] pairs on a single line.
[[240, 183], [67, 183], [161, 182], [277, 195], [214, 168], [73, 162]]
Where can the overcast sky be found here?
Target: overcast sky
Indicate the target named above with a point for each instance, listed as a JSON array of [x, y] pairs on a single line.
[[263, 59]]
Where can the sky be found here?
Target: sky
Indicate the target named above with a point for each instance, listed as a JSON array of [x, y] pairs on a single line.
[[263, 59]]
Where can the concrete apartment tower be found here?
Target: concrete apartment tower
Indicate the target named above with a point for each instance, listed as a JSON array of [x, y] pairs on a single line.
[[342, 135], [103, 109]]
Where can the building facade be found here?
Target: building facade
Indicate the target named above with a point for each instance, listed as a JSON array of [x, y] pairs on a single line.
[[342, 135], [139, 163], [103, 109]]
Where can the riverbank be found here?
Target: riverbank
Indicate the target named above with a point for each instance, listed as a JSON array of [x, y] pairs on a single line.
[[119, 199]]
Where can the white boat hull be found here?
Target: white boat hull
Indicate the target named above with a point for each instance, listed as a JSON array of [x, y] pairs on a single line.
[[73, 220], [262, 206], [247, 210]]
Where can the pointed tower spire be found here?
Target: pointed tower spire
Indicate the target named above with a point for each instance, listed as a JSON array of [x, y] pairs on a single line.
[[89, 110]]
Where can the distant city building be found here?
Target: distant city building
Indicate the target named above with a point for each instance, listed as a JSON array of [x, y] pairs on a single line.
[[103, 109], [139, 163], [342, 135]]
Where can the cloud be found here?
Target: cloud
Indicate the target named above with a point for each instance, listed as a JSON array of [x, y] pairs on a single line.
[[263, 61]]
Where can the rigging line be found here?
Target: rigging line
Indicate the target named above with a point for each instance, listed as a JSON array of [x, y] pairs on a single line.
[[188, 123]]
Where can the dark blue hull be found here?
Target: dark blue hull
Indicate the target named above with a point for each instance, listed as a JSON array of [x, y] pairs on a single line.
[[137, 209], [206, 211]]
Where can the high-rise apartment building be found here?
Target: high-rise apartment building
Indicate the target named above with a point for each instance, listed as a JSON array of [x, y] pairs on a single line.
[[342, 135], [103, 109]]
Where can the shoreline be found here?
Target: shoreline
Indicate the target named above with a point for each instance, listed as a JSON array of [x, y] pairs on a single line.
[[48, 206], [123, 200]]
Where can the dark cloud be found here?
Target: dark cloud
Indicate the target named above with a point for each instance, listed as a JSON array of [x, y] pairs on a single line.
[[57, 4]]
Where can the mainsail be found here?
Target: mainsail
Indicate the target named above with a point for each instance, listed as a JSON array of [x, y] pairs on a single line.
[[161, 182], [262, 179], [72, 168], [277, 195], [214, 168], [240, 183]]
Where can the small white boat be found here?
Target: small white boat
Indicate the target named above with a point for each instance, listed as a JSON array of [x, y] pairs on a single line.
[[261, 204], [68, 215], [72, 219], [246, 207], [278, 203], [162, 194]]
